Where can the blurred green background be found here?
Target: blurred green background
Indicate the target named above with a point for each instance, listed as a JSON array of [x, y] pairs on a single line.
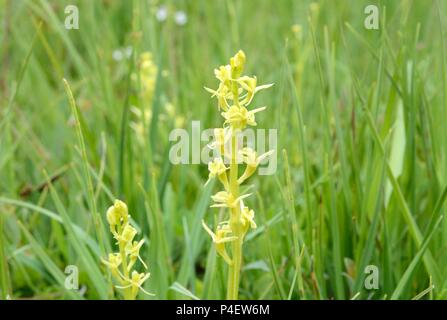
[[362, 154]]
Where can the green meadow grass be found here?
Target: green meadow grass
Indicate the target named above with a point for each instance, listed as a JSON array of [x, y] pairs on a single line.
[[362, 150]]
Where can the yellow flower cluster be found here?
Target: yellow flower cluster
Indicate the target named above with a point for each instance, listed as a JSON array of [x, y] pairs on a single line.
[[121, 263], [148, 76], [234, 95], [145, 80]]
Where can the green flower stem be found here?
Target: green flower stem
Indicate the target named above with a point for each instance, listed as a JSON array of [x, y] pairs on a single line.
[[235, 221], [235, 269]]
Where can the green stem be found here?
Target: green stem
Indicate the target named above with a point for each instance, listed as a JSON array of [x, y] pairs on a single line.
[[236, 227], [235, 269]]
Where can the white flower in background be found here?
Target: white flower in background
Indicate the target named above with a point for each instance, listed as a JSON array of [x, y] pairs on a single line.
[[128, 52], [162, 13], [180, 18], [117, 55], [121, 53]]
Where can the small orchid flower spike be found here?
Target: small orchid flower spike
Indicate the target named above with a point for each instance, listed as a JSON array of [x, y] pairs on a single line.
[[234, 95], [121, 264]]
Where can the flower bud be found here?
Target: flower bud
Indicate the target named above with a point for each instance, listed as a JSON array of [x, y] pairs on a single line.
[[113, 216], [121, 209], [237, 63]]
